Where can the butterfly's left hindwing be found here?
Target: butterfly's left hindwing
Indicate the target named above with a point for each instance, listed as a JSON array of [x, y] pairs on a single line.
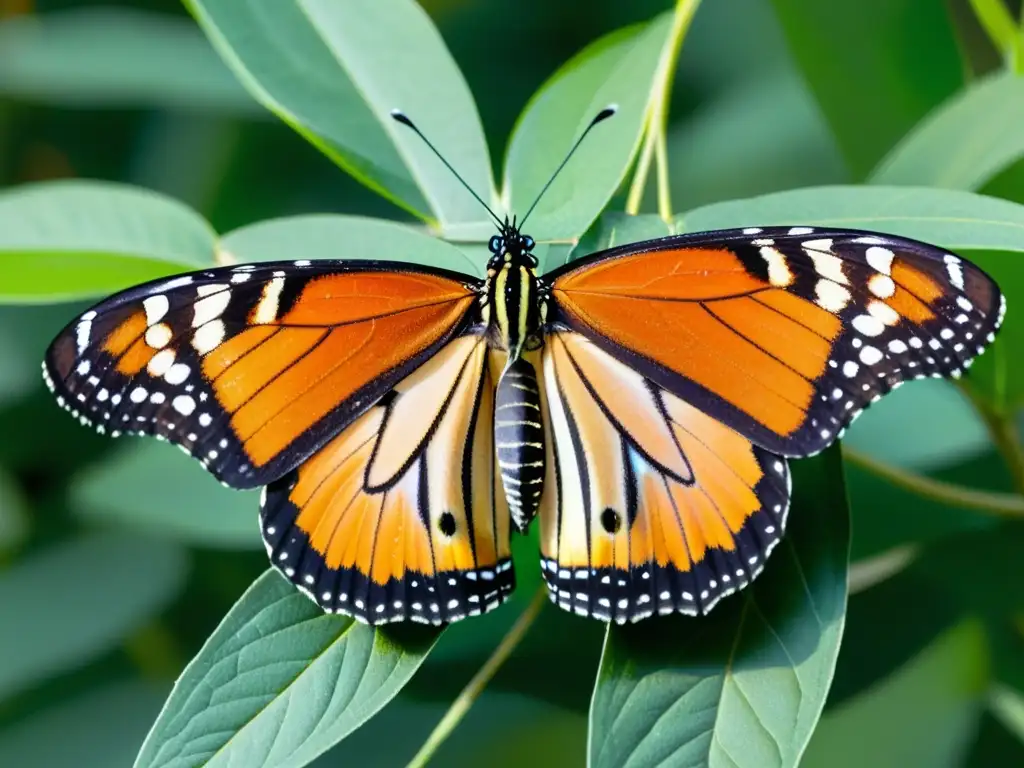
[[785, 335], [649, 505], [401, 516], [252, 368]]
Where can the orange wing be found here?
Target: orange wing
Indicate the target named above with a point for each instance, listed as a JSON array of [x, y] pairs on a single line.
[[400, 516], [649, 505], [785, 335], [251, 369]]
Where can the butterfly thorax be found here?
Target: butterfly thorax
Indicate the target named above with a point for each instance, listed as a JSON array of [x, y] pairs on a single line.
[[512, 304]]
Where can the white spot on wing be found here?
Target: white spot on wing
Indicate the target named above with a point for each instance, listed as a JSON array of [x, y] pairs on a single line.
[[177, 373], [779, 273], [883, 313], [882, 286], [156, 307], [209, 337], [184, 405], [868, 325], [266, 309], [216, 298], [831, 296], [158, 336], [160, 363], [828, 265], [870, 355], [880, 259]]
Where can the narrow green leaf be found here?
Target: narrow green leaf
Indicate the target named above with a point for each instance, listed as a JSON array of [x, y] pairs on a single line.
[[898, 61], [279, 682], [19, 373], [953, 219], [65, 606], [998, 24], [13, 512], [113, 57], [745, 685], [925, 715], [963, 143], [1008, 706], [100, 728], [151, 487], [618, 69], [73, 239], [323, 236], [334, 71]]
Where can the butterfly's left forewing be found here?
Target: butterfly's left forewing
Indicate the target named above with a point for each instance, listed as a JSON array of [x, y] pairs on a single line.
[[252, 368], [401, 516]]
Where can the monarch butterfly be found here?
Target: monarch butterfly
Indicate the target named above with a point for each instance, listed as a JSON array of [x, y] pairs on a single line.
[[642, 402]]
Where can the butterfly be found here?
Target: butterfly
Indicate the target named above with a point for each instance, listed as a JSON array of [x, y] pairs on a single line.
[[641, 402]]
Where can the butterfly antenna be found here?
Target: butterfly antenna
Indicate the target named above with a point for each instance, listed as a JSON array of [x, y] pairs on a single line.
[[402, 118], [604, 114]]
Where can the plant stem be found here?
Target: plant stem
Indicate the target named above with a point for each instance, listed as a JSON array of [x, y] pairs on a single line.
[[656, 117], [472, 691], [224, 258], [643, 167], [999, 504], [664, 193], [1004, 435]]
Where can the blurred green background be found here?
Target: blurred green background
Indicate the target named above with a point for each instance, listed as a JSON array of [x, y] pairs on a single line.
[[106, 591]]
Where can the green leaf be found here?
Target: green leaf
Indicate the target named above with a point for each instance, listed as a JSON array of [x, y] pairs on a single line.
[[101, 727], [898, 59], [714, 154], [925, 715], [998, 375], [323, 236], [70, 603], [116, 57], [279, 682], [869, 656], [620, 68], [614, 228], [151, 487], [1008, 707], [886, 516], [19, 374], [954, 219], [746, 684], [13, 513], [963, 143], [901, 429], [334, 71], [72, 239]]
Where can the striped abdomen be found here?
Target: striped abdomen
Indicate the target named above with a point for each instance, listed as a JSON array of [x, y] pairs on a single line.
[[519, 440]]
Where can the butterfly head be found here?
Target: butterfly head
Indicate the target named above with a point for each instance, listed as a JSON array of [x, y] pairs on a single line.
[[510, 246]]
